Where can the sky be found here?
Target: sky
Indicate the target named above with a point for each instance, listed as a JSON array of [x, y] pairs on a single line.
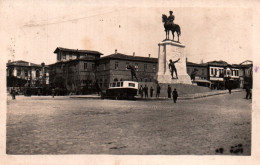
[[33, 30]]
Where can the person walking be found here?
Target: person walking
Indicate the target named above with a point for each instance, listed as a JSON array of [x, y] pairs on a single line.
[[169, 91], [151, 92], [174, 95], [145, 91], [141, 90], [158, 90], [53, 92], [13, 93], [248, 92]]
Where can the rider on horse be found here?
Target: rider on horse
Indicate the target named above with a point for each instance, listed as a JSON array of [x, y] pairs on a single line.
[[170, 19]]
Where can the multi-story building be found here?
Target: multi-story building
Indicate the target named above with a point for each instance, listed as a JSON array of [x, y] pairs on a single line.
[[114, 67], [21, 72], [75, 70]]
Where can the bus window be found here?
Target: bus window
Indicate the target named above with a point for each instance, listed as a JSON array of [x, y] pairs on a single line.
[[114, 84], [131, 84], [118, 84]]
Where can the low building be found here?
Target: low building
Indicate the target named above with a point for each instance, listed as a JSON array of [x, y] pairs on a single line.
[[21, 72], [199, 73], [246, 74]]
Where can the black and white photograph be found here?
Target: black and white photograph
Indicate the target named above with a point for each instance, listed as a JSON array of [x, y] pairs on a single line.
[[144, 80]]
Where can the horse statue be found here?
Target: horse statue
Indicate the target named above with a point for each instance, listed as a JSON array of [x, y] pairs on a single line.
[[170, 27]]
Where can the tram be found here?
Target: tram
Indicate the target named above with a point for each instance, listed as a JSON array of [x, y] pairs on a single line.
[[121, 90]]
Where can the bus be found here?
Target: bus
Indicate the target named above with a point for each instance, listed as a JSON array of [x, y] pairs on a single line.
[[121, 90]]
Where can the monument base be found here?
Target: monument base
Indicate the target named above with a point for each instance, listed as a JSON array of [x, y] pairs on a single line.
[[182, 79], [169, 50]]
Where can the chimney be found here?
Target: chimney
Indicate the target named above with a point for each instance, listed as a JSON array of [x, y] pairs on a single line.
[[9, 61], [201, 61], [149, 55], [133, 53], [186, 59], [115, 51]]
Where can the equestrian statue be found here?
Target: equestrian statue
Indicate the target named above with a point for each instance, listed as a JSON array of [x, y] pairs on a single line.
[[170, 26]]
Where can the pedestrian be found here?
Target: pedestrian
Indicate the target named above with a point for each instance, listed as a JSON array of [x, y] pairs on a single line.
[[248, 92], [151, 92], [174, 95], [53, 92], [169, 91], [145, 91], [158, 90], [229, 86], [13, 93], [229, 89], [141, 91]]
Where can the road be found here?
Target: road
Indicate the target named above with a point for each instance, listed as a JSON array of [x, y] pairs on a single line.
[[42, 125]]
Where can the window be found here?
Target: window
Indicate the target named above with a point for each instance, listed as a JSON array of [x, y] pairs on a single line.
[[85, 66], [126, 65], [154, 68], [145, 67], [116, 65], [18, 72], [26, 73], [93, 66], [212, 72], [131, 84], [58, 57], [136, 66], [37, 73], [70, 56], [64, 56], [105, 83], [100, 83]]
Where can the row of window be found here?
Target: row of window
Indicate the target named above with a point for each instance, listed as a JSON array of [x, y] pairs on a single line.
[[19, 73], [135, 66], [215, 71]]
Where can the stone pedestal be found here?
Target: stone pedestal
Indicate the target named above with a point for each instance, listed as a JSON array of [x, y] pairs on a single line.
[[172, 50]]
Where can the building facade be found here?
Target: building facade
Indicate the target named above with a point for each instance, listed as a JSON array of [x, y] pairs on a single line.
[[114, 67], [74, 71], [199, 73], [21, 72], [85, 71]]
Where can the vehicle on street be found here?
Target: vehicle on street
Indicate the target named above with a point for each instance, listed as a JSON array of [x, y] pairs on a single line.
[[121, 90]]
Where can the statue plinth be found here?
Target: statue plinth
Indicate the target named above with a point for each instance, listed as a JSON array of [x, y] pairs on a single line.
[[169, 50]]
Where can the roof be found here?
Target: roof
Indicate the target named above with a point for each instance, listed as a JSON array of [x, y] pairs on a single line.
[[247, 62], [195, 64], [76, 50], [130, 57], [22, 63], [218, 63]]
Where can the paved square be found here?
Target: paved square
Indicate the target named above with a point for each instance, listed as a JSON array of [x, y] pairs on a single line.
[[42, 125]]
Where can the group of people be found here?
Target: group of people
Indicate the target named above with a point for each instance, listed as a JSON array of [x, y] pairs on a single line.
[[143, 91]]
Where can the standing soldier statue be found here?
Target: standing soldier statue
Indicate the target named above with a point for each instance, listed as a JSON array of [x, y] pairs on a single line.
[[133, 74], [173, 68]]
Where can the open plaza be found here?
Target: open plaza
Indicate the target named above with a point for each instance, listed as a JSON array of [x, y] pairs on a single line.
[[64, 125]]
